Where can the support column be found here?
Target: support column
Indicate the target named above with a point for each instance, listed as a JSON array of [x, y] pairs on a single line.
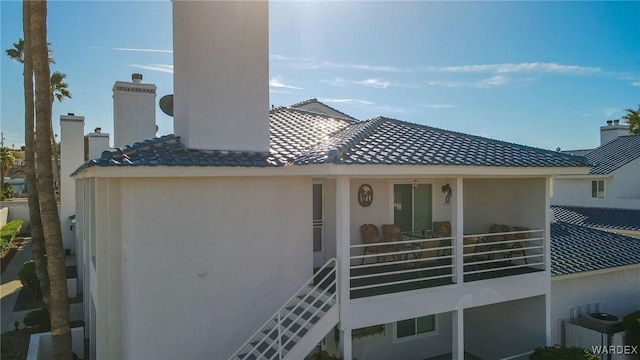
[[458, 218], [457, 346], [346, 350], [547, 259], [343, 252]]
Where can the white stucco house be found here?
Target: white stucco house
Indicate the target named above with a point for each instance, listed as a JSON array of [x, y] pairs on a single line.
[[608, 197], [240, 236]]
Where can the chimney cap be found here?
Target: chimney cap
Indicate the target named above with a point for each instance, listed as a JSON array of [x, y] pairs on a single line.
[[136, 76], [97, 130], [616, 122], [609, 122], [71, 114]]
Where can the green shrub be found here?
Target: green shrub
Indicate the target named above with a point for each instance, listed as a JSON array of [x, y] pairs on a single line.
[[632, 329], [38, 317], [9, 231], [323, 355], [558, 353], [7, 192], [29, 279]]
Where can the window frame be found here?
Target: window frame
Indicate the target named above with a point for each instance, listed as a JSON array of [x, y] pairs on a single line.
[[409, 182], [598, 189], [416, 336]]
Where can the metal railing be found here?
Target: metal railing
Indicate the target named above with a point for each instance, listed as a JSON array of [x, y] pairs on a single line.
[[401, 262], [298, 304], [503, 252]]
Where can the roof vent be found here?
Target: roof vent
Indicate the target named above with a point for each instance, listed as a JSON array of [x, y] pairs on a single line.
[[609, 122], [616, 122], [136, 78], [71, 114], [97, 130]]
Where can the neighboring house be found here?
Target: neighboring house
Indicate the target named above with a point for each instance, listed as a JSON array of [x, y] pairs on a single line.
[[189, 243], [613, 181], [622, 221], [590, 266], [313, 105]]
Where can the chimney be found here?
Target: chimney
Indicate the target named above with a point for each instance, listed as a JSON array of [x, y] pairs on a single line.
[[98, 142], [221, 74], [612, 131], [71, 156], [134, 111]]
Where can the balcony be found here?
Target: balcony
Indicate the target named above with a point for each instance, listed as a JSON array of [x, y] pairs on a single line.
[[399, 266]]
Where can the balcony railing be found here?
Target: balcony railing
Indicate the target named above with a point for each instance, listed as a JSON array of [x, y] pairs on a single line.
[[397, 266], [390, 267], [503, 254]]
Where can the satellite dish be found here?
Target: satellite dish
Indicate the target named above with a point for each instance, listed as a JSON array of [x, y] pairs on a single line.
[[166, 104]]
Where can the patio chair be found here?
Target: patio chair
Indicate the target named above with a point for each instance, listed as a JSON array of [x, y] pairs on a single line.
[[516, 246], [392, 233], [371, 235], [495, 241], [442, 229]]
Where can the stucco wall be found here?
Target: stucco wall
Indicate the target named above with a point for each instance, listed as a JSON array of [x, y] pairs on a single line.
[[378, 213], [618, 292], [626, 182], [206, 261], [513, 202], [621, 190], [505, 329], [381, 347]]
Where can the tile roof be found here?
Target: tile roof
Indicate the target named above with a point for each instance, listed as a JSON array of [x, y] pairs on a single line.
[[612, 155], [316, 101], [393, 142], [300, 137], [576, 249], [608, 218]]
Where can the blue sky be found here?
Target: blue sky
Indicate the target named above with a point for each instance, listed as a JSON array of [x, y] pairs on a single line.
[[545, 74]]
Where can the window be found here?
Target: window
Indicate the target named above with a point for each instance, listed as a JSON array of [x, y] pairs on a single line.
[[414, 328], [597, 189], [412, 206]]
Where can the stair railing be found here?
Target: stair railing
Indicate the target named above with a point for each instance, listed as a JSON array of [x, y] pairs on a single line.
[[277, 315]]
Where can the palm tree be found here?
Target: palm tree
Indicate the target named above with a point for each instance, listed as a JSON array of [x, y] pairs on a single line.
[[37, 236], [17, 52], [632, 117], [59, 88], [59, 91], [6, 162], [60, 329]]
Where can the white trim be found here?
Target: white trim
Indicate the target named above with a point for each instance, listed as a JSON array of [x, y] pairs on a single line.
[[323, 170], [604, 189], [397, 340], [595, 272]]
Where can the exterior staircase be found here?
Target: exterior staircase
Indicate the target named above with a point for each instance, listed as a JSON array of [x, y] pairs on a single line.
[[300, 324]]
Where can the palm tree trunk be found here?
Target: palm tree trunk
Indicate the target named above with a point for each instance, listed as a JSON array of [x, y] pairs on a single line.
[[37, 238], [60, 329]]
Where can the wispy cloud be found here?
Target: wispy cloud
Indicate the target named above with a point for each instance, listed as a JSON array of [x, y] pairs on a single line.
[[635, 83], [375, 83], [277, 83], [437, 106], [391, 109], [154, 67], [135, 49], [346, 101], [499, 68], [517, 68], [481, 84], [342, 82], [609, 112], [313, 65]]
